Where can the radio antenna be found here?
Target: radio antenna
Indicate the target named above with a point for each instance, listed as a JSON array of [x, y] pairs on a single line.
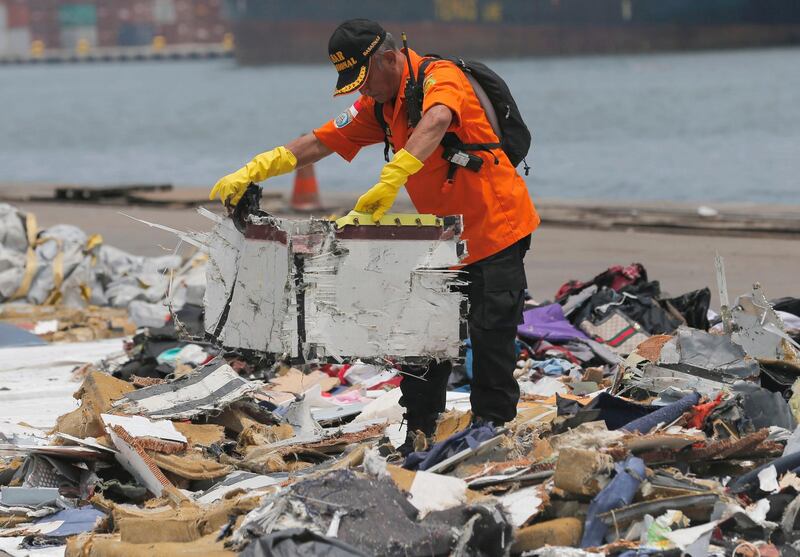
[[408, 59]]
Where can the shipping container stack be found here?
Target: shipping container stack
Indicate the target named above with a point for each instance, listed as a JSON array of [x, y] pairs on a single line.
[[126, 22], [138, 22], [191, 21], [78, 24], [15, 27], [45, 27], [75, 24]]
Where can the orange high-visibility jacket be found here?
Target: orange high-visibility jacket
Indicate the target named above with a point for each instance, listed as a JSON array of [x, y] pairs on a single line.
[[495, 203]]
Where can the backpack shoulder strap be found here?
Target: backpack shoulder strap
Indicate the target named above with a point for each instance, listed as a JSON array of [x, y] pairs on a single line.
[[450, 139], [426, 61], [385, 127]]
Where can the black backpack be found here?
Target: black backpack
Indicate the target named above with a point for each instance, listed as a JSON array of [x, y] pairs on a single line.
[[515, 138]]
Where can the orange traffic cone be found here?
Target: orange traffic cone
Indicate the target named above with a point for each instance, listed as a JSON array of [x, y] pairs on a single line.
[[305, 194]]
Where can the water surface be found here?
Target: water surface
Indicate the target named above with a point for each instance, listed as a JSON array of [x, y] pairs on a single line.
[[687, 127]]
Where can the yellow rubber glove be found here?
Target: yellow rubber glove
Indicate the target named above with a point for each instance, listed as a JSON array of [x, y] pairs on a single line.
[[273, 163], [394, 175]]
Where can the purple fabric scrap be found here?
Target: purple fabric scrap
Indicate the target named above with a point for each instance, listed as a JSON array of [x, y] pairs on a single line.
[[549, 323]]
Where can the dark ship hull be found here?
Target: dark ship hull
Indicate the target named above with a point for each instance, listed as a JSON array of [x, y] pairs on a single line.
[[277, 31]]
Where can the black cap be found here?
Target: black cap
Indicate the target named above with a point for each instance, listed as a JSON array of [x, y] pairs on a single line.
[[350, 47]]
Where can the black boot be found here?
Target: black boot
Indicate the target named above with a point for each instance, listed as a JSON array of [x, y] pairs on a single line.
[[419, 432], [415, 441], [477, 422]]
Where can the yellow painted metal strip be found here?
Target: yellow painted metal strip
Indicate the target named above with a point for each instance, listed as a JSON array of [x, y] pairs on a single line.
[[354, 218]]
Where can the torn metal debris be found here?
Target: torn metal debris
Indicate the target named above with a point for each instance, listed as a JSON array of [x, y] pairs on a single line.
[[315, 289]]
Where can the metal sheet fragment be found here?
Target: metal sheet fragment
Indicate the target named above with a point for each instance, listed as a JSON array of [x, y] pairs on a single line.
[[309, 290]]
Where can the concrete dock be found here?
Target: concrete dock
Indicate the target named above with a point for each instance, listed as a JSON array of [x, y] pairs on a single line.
[[120, 54], [572, 243]]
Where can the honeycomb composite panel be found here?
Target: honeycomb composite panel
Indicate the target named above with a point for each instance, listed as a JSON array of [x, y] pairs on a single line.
[[308, 289]]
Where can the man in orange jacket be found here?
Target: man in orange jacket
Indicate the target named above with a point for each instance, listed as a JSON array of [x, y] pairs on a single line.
[[499, 216]]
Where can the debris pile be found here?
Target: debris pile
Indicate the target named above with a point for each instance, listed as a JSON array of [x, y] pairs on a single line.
[[66, 324], [62, 265], [648, 425]]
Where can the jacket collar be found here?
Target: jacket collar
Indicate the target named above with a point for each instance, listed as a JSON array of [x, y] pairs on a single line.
[[416, 60]]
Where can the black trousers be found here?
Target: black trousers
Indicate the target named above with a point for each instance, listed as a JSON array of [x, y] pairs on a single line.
[[496, 295]]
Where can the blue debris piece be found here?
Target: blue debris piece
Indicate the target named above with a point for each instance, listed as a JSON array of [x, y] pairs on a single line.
[[664, 415], [75, 521], [468, 438], [782, 465], [618, 493], [11, 335]]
